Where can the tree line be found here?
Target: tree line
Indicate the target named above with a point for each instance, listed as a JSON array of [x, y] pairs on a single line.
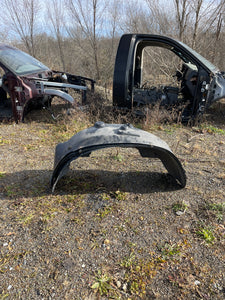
[[81, 36]]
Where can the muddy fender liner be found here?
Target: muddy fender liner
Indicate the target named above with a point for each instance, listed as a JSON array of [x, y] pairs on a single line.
[[102, 136]]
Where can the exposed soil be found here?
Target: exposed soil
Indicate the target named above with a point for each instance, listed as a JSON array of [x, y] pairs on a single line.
[[117, 226]]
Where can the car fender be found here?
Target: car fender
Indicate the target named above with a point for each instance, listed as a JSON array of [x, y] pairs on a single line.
[[60, 94], [102, 136]]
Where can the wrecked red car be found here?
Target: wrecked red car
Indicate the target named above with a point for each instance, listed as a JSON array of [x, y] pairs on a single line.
[[27, 84]]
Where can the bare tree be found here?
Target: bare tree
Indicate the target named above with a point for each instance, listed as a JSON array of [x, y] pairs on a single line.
[[197, 5], [87, 16], [162, 18], [56, 9], [182, 15], [110, 41], [20, 17], [114, 19], [136, 18], [207, 16], [218, 21]]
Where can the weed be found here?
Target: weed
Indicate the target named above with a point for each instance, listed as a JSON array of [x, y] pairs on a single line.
[[120, 228], [170, 250], [4, 296], [25, 220], [2, 174], [105, 197], [77, 220], [46, 216], [10, 191], [102, 284], [118, 157], [179, 207], [213, 129], [20, 255], [13, 191], [217, 206], [206, 234], [94, 245], [128, 261], [75, 199], [135, 274], [103, 212], [120, 195], [3, 141], [219, 217], [3, 261], [139, 272], [169, 130]]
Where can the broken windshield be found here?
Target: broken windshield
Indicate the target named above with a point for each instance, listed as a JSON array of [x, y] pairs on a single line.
[[20, 62]]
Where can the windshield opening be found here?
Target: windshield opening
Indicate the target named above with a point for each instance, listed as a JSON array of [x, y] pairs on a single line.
[[207, 63]]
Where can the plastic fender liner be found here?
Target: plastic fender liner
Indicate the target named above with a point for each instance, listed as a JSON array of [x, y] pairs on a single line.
[[102, 136]]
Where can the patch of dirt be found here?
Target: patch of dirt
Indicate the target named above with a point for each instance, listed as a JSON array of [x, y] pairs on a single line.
[[117, 226]]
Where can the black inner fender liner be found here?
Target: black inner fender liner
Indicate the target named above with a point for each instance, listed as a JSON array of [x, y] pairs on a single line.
[[102, 136]]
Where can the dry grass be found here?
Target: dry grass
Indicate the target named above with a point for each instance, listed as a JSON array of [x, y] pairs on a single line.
[[117, 227]]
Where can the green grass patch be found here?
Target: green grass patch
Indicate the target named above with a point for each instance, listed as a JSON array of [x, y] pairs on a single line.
[[4, 296], [139, 273], [2, 174], [118, 157], [102, 284], [217, 206], [13, 191], [121, 196], [218, 209], [128, 261], [4, 141], [206, 234], [180, 206], [212, 129], [26, 219], [105, 211]]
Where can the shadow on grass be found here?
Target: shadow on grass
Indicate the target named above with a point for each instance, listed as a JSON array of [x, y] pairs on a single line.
[[36, 183]]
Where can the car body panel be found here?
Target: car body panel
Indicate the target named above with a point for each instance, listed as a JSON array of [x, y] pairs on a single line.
[[30, 84], [102, 136], [128, 91]]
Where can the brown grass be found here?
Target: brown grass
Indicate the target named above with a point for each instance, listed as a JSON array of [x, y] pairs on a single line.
[[116, 227]]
